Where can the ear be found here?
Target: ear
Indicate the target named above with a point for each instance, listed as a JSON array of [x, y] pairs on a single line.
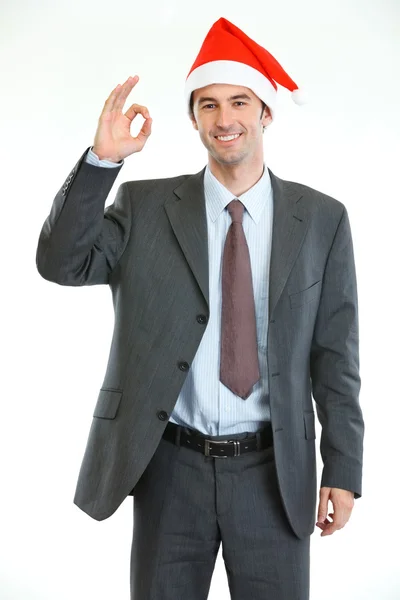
[[267, 117], [194, 123]]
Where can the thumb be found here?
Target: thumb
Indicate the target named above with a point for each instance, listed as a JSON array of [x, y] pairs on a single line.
[[323, 504], [145, 132]]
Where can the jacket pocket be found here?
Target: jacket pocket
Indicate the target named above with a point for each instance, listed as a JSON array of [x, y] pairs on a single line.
[[305, 296], [107, 403], [309, 425]]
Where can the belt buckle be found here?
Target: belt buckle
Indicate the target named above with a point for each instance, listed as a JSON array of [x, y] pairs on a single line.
[[207, 447]]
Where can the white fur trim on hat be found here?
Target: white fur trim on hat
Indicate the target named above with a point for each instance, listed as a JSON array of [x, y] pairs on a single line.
[[234, 73]]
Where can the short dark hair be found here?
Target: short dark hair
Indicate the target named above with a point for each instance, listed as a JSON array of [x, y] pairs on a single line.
[[264, 106]]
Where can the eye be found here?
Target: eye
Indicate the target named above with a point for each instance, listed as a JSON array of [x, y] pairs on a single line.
[[240, 102], [208, 105]]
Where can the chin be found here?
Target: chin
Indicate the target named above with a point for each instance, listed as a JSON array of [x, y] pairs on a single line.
[[232, 159]]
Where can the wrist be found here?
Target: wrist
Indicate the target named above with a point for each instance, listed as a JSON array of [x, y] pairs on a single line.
[[101, 156]]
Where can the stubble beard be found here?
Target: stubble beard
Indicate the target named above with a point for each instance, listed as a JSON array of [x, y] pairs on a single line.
[[227, 157], [235, 159]]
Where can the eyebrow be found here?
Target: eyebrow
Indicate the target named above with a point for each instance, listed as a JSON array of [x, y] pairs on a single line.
[[236, 97]]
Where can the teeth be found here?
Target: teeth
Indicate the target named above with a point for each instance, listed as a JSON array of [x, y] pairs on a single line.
[[227, 138]]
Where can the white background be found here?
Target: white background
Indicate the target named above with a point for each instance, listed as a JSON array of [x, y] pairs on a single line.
[[59, 62]]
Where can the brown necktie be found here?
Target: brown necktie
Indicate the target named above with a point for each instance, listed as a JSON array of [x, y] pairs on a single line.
[[239, 369]]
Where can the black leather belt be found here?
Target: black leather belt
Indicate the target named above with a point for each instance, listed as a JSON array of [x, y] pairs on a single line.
[[218, 448]]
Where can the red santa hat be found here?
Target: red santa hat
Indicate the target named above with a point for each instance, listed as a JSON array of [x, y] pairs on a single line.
[[228, 55]]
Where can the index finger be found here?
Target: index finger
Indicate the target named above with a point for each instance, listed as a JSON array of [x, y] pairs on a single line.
[[137, 109]]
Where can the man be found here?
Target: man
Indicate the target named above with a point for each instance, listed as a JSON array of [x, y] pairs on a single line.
[[226, 320]]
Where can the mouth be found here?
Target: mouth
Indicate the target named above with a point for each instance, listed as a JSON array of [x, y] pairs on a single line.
[[228, 140]]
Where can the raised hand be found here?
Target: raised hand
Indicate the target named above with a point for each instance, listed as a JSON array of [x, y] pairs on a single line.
[[113, 139]]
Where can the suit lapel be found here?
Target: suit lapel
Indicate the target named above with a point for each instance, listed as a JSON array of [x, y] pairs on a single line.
[[290, 224], [186, 211]]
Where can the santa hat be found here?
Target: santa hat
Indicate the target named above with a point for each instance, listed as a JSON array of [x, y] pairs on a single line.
[[228, 55]]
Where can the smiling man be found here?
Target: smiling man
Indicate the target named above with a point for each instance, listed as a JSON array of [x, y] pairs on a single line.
[[230, 121], [235, 302]]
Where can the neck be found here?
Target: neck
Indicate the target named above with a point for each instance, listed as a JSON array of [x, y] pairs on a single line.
[[237, 178]]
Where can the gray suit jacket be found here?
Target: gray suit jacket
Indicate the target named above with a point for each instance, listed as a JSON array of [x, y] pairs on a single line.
[[150, 247]]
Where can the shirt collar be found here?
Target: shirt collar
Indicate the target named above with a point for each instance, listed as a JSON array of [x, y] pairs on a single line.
[[218, 196]]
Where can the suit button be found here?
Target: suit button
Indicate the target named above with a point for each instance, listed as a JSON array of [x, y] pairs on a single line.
[[162, 415], [184, 366], [201, 319]]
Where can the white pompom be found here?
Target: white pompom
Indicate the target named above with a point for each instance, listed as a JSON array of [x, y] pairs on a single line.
[[299, 97]]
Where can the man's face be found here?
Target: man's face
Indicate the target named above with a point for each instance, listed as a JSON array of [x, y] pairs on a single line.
[[221, 111]]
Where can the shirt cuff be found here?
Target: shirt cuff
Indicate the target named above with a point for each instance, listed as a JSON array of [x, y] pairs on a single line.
[[93, 159]]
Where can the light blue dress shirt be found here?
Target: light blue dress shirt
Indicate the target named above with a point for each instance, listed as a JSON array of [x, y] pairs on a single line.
[[204, 403]]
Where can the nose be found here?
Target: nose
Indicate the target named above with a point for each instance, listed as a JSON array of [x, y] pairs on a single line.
[[224, 118]]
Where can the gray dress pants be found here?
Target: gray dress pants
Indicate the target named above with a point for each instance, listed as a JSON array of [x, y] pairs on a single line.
[[185, 504]]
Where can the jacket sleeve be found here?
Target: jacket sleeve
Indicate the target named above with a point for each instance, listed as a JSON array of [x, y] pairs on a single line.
[[334, 367], [81, 242]]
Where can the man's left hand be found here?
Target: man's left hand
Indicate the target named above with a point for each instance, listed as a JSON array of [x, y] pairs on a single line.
[[343, 502]]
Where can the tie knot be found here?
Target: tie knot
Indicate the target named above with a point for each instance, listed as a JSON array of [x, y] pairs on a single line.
[[236, 209]]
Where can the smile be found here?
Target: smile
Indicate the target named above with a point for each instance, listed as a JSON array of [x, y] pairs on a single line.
[[228, 138]]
